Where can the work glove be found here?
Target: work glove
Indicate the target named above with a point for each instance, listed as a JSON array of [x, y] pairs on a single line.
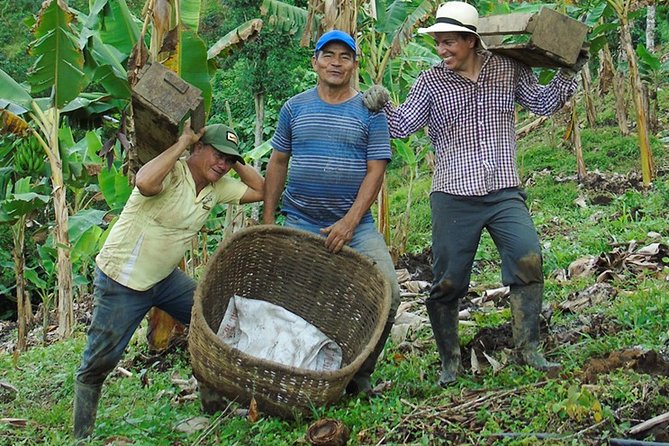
[[375, 97], [580, 62]]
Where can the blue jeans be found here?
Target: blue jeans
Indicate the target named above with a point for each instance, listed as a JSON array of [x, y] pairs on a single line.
[[457, 224], [117, 313], [367, 241]]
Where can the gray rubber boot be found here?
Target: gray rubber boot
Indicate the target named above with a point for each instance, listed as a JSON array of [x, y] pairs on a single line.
[[86, 397], [525, 312], [444, 321]]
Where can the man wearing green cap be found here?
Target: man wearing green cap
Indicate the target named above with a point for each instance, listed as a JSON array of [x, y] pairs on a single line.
[[137, 266]]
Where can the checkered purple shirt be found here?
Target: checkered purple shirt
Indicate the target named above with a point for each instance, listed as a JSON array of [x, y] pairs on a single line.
[[471, 124]]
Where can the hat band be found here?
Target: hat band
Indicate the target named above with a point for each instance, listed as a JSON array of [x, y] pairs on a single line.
[[455, 22]]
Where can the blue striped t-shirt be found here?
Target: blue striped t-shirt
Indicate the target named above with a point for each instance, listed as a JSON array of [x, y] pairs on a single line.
[[329, 145]]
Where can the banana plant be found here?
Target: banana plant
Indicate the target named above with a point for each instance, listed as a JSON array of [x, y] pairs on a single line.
[[58, 69], [411, 152], [653, 72], [20, 196], [623, 9]]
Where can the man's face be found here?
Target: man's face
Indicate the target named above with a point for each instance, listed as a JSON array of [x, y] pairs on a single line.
[[454, 49], [335, 64], [214, 164]]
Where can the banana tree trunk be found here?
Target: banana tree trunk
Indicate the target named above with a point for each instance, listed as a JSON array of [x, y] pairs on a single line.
[[18, 231], [259, 101], [650, 27], [590, 113], [383, 220], [647, 165], [618, 92], [63, 265], [578, 146]]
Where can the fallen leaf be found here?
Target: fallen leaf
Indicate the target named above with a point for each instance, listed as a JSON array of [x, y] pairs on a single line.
[[583, 267], [399, 357], [399, 333], [496, 365], [381, 387], [253, 411], [476, 367], [191, 425], [15, 422], [580, 202], [402, 275]]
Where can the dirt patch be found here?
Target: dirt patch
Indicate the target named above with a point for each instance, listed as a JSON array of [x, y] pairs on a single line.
[[418, 265], [593, 327], [159, 361], [488, 341], [613, 183], [637, 359]]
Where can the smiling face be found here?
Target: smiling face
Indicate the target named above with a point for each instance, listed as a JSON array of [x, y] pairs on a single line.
[[211, 164], [456, 49], [335, 65]]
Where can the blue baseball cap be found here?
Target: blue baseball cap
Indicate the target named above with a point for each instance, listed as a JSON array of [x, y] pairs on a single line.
[[335, 36]]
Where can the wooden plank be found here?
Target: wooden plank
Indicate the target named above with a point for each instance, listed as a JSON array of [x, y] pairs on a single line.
[[649, 423]]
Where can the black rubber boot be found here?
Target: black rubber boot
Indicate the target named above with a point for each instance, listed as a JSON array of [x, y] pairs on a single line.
[[86, 397], [444, 321], [361, 382], [525, 312]]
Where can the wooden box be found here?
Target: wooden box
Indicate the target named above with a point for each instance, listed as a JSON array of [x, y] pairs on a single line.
[[161, 102], [542, 39]]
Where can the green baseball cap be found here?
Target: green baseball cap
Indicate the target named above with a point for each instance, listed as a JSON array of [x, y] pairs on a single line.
[[222, 138]]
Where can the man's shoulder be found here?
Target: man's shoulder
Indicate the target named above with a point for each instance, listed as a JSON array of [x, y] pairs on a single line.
[[437, 71], [301, 98], [503, 61]]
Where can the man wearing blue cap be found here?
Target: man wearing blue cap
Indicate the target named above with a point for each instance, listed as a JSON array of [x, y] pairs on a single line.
[[339, 152], [137, 266]]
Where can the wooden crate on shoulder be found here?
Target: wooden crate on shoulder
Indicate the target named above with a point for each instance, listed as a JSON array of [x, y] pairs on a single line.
[[161, 102], [543, 39]]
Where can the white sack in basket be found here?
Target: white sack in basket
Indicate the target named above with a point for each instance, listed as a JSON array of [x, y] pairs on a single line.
[[271, 332]]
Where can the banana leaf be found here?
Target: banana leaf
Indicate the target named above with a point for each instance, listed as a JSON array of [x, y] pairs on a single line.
[[190, 13], [284, 18], [114, 24], [59, 60], [235, 38], [189, 61], [12, 92]]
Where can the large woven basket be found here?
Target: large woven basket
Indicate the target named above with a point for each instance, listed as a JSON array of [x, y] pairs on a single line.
[[344, 295]]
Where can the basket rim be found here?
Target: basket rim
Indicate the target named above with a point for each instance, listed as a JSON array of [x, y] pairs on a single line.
[[254, 361]]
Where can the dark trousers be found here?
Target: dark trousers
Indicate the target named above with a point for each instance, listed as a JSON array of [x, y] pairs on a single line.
[[118, 312], [457, 224]]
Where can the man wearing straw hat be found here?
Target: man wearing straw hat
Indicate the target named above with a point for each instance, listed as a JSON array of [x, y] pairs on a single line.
[[467, 103], [137, 266], [339, 151]]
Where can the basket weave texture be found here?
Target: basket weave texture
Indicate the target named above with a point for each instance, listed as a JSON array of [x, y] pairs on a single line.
[[344, 295]]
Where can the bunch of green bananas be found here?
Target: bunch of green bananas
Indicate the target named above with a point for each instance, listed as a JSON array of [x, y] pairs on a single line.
[[28, 157]]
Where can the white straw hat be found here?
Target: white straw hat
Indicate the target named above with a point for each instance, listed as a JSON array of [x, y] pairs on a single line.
[[454, 17]]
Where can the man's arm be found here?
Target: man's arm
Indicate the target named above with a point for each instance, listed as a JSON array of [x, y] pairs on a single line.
[[275, 180], [249, 176], [149, 179], [340, 233]]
